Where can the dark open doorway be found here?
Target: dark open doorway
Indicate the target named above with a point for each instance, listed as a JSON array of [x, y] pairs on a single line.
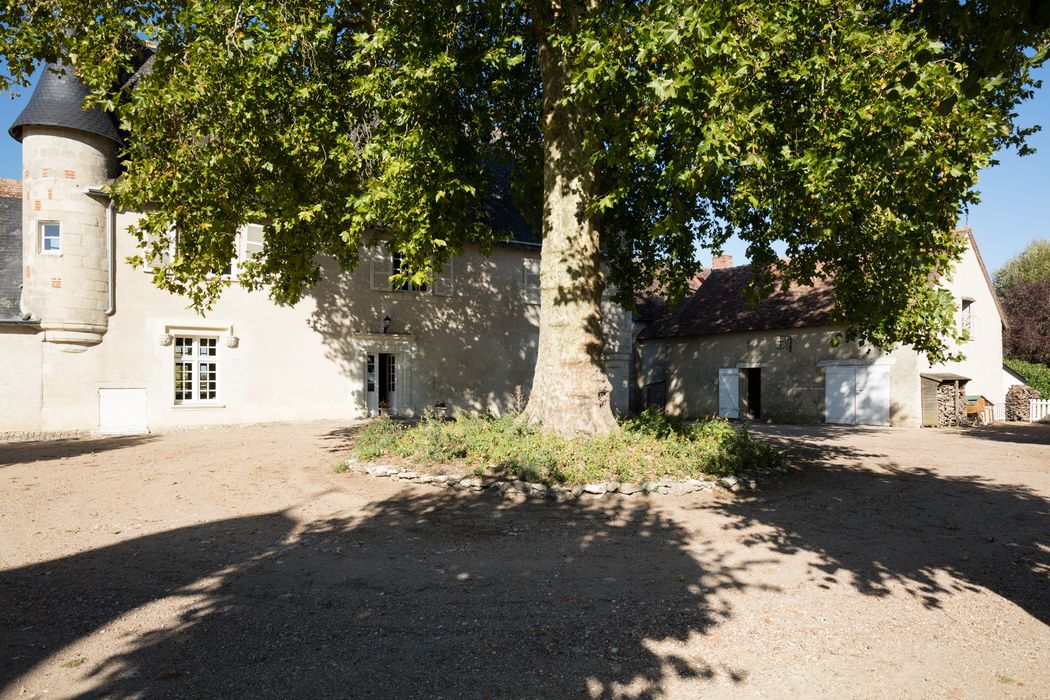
[[387, 379], [753, 380]]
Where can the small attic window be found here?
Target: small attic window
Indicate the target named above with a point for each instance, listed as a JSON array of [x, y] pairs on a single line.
[[966, 318], [50, 237]]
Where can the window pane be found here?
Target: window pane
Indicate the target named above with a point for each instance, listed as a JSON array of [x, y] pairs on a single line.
[[50, 235], [206, 377], [183, 381], [397, 260]]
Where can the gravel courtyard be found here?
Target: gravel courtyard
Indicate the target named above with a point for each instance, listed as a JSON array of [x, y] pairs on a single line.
[[235, 563]]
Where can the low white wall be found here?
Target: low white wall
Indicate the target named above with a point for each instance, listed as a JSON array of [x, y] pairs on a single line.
[[20, 381]]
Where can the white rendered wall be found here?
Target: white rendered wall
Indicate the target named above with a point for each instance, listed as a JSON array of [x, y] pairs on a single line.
[[983, 361], [469, 350]]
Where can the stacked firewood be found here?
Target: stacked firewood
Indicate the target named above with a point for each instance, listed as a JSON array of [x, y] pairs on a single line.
[[951, 405], [1017, 398]]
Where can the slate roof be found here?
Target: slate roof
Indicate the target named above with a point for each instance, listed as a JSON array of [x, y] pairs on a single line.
[[10, 250], [719, 307], [649, 308], [499, 212], [58, 101]]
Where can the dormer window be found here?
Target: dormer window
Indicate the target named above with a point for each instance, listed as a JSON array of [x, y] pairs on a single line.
[[50, 238]]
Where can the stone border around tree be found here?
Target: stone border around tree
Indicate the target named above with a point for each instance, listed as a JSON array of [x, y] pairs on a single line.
[[511, 488]]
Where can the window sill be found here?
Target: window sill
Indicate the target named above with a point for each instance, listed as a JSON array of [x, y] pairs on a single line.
[[196, 406], [410, 296]]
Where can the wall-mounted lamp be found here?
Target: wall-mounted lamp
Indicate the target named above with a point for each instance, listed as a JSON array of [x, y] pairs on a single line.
[[386, 324], [784, 342]]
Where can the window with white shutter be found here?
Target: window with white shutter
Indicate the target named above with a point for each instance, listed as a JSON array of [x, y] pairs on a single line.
[[443, 280], [164, 256], [395, 264], [254, 237], [382, 269]]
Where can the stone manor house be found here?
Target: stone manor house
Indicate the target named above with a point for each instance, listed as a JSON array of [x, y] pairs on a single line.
[[89, 343]]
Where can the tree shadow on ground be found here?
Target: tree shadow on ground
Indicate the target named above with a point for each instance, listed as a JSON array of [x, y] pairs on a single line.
[[1025, 433], [341, 439], [422, 595], [37, 450], [883, 526], [50, 605]]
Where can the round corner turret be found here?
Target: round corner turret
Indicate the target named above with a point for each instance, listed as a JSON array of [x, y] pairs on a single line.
[[67, 153]]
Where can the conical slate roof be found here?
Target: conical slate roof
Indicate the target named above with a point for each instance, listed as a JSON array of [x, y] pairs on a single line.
[[58, 101]]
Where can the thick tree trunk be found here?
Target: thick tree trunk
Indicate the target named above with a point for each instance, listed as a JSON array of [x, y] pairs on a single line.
[[570, 389]]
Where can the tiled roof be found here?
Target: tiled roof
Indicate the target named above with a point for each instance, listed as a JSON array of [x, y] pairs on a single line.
[[58, 101], [648, 309], [719, 306], [10, 250]]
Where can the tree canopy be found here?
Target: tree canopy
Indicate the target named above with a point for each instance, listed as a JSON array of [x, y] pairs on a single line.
[[852, 132], [1027, 307], [1030, 265], [1023, 284]]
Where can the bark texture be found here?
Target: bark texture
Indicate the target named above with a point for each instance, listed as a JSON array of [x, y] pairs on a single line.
[[570, 388]]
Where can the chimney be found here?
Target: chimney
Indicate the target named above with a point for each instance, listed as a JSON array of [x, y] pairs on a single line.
[[721, 262]]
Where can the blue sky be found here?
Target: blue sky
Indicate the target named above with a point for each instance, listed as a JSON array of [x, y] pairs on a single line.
[[1015, 206]]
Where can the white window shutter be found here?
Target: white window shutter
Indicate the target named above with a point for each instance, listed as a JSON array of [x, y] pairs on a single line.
[[531, 280], [382, 269], [167, 252], [254, 238], [443, 280]]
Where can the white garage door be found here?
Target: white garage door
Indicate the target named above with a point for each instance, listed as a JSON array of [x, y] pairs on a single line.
[[857, 395], [121, 411]]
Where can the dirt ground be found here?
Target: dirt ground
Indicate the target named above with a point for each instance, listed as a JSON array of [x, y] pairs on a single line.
[[235, 563]]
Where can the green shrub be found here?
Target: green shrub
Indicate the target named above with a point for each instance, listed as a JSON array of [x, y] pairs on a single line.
[[378, 438], [649, 447], [654, 422], [1037, 375]]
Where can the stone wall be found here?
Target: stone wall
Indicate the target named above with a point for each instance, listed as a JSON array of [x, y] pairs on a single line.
[[10, 188], [68, 290], [792, 376]]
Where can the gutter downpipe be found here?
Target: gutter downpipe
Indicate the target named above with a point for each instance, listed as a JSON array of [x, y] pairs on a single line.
[[111, 248]]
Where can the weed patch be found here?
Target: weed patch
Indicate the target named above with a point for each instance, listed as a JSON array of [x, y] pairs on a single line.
[[648, 447]]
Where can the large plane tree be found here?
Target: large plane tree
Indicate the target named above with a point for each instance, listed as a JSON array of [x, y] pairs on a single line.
[[632, 133]]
